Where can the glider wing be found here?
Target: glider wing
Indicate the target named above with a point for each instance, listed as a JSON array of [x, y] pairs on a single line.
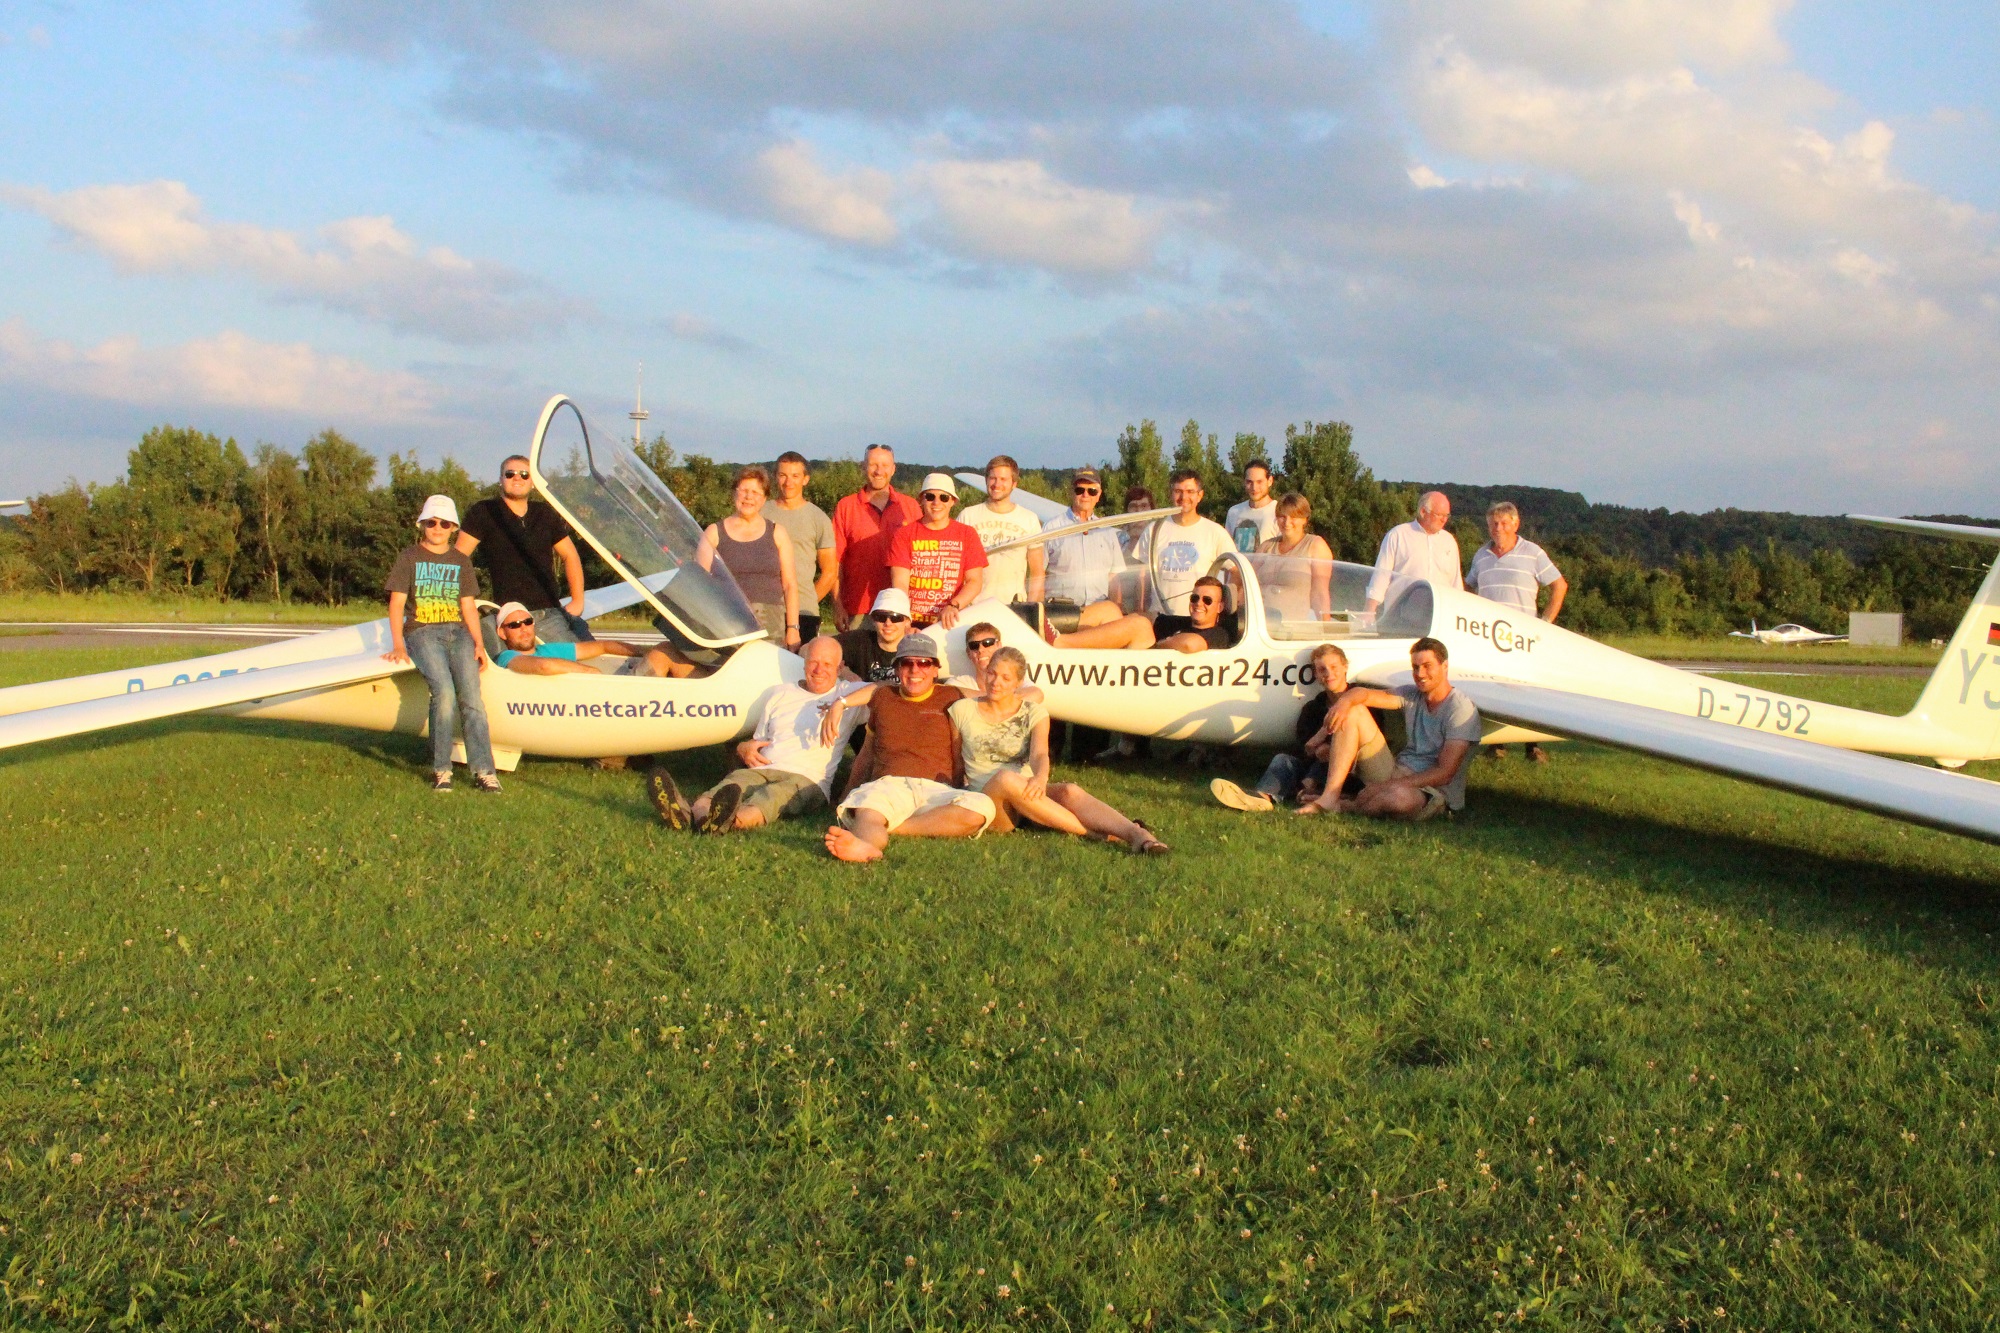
[[119, 710], [1950, 801]]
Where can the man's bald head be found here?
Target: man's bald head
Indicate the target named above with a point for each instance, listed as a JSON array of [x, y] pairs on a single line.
[[1433, 511]]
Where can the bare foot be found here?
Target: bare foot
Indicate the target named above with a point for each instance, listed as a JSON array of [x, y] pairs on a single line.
[[844, 845], [1310, 808]]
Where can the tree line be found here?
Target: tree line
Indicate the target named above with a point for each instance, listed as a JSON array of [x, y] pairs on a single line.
[[195, 516]]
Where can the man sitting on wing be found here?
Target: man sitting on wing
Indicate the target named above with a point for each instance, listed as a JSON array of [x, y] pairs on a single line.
[[1443, 726], [868, 651], [519, 651], [1307, 770], [1205, 602], [906, 779], [787, 767]]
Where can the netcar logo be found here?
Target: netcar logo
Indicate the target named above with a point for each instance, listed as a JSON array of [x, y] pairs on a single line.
[[1500, 633]]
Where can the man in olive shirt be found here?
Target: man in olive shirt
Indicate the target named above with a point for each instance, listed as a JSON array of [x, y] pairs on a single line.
[[811, 534], [522, 539]]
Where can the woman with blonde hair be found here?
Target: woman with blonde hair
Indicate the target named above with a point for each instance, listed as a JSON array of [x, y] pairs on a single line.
[[1295, 568]]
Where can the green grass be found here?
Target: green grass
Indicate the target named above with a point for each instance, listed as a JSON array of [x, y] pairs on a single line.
[[291, 1042], [1672, 648], [104, 606]]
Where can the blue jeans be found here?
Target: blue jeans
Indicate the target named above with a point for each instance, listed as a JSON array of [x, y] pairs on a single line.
[[551, 626], [1286, 773], [445, 656]]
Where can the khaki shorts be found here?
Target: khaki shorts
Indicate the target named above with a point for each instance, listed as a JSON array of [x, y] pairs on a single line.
[[774, 793], [898, 799], [1377, 765], [1435, 802]]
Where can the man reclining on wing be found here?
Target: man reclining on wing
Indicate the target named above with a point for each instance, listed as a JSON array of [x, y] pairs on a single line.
[[519, 651]]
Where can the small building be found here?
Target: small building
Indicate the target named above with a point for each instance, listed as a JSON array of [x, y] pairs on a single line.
[[1875, 629]]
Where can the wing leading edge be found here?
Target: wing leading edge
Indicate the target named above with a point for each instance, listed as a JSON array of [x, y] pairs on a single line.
[[1949, 801], [120, 710]]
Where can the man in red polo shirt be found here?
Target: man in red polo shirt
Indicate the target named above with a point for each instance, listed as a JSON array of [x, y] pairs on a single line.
[[863, 523], [939, 561]]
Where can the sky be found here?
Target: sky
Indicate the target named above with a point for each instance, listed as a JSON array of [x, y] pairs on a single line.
[[1692, 253]]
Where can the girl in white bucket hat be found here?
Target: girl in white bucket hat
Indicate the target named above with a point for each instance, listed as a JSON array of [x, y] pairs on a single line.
[[433, 623]]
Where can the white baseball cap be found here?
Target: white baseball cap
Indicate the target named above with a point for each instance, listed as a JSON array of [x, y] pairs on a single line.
[[891, 599], [506, 612], [942, 483], [439, 506]]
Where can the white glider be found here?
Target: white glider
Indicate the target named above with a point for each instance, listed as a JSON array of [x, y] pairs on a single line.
[[1530, 677], [1786, 634]]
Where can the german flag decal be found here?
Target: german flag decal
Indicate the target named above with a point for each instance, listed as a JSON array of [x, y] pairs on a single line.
[[1993, 634]]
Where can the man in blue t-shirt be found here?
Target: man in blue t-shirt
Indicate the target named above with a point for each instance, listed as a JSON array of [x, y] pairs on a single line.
[[519, 651]]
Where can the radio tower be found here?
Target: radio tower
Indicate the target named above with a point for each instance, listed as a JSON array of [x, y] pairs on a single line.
[[639, 412]]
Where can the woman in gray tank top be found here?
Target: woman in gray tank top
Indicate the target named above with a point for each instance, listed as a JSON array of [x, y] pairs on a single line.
[[758, 555]]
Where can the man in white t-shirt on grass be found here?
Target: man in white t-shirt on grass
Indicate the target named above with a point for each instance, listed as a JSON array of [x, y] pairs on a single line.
[[1188, 547], [1011, 576], [1423, 548], [1512, 571], [1253, 521], [787, 771]]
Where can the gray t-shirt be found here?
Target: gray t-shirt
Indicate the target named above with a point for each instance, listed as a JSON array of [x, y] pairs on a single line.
[[810, 532], [989, 746], [1456, 719]]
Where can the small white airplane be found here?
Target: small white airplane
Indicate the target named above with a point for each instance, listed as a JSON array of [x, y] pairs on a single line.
[[13, 504], [1529, 677], [1786, 634]]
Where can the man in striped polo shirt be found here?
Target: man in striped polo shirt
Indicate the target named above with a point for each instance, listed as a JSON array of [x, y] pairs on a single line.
[[1512, 571]]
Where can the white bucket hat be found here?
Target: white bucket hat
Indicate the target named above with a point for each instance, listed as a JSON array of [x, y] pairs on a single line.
[[439, 506]]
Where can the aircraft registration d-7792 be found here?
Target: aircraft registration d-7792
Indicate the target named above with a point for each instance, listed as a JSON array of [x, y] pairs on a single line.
[[1529, 676]]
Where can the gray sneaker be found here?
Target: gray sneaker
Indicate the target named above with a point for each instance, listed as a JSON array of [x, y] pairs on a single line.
[[1233, 796]]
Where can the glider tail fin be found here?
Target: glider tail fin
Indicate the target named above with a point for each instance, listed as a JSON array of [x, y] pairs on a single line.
[[1963, 694]]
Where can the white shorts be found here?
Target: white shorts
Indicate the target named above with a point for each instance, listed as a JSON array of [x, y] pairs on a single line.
[[898, 799]]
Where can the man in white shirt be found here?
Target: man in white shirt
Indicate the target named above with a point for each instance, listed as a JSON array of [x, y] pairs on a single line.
[[786, 771], [1255, 520], [1011, 576], [1081, 565], [1189, 546], [1512, 571], [1419, 549]]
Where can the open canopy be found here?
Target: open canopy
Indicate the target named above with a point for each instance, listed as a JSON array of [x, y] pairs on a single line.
[[618, 504]]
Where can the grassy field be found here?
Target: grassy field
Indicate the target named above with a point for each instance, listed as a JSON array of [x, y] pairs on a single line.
[[290, 1042], [103, 606], [1724, 649]]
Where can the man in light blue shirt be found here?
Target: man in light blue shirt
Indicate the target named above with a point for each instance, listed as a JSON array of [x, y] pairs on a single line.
[[1080, 566]]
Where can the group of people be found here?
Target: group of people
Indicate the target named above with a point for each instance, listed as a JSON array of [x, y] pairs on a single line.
[[958, 757]]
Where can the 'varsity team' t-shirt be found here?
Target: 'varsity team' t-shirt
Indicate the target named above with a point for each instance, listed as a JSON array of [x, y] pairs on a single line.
[[1006, 573], [938, 559], [433, 581]]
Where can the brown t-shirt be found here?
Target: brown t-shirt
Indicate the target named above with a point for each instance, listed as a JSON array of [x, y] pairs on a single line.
[[913, 738]]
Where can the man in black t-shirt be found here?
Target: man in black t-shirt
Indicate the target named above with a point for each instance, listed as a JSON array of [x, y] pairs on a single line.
[[522, 538], [868, 651]]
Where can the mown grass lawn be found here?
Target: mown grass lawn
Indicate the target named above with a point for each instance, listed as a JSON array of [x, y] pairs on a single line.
[[290, 1042]]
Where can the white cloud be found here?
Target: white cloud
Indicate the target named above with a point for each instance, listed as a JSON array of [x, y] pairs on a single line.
[[850, 206], [1015, 212], [1600, 38], [363, 266], [228, 370]]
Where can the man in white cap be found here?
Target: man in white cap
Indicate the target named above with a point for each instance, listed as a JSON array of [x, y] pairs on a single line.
[[868, 651], [937, 560], [1419, 549], [787, 766], [520, 653]]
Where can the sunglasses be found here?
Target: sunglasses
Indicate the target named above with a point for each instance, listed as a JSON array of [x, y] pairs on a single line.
[[886, 617], [979, 645], [514, 474], [436, 523], [519, 624], [940, 498], [1086, 490], [914, 662], [1205, 601]]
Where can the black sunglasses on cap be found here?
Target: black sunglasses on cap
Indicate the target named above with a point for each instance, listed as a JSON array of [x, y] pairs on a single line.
[[902, 662], [979, 645], [520, 624], [886, 617]]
